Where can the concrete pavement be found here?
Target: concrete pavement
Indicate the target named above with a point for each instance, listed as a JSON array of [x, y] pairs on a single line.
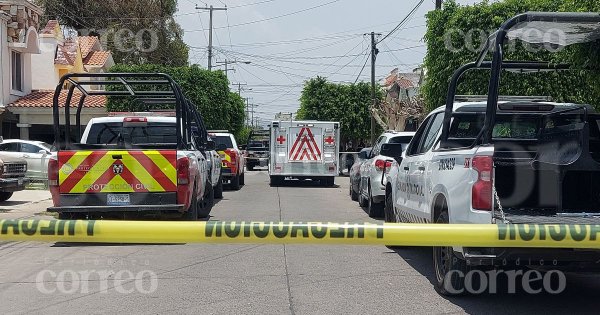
[[266, 279]]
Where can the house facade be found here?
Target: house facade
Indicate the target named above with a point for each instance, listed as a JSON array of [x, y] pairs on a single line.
[[19, 22], [58, 55]]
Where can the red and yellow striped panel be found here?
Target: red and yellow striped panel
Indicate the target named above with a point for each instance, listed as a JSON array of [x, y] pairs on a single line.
[[226, 161], [117, 171]]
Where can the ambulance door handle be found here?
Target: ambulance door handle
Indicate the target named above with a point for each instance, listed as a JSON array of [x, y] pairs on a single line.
[[422, 168], [406, 168]]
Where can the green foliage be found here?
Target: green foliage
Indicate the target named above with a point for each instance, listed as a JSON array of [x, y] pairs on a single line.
[[450, 27], [347, 103], [209, 90], [117, 22]]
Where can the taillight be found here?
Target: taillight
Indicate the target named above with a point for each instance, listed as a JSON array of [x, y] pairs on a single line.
[[481, 196], [53, 181], [183, 171], [183, 181], [381, 164]]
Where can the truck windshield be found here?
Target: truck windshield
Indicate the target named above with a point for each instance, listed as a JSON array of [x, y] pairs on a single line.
[[114, 132], [257, 144]]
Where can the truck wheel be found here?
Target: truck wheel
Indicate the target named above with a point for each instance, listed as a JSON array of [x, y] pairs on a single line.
[[275, 180], [328, 181], [375, 210], [353, 194], [192, 212], [450, 269], [5, 195], [388, 210], [235, 182], [250, 167], [219, 189], [207, 202], [242, 179]]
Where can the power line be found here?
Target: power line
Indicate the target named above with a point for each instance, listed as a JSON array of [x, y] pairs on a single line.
[[403, 21], [363, 67], [275, 17]]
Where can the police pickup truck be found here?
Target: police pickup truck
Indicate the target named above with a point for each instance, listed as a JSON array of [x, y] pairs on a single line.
[[503, 160], [129, 165]]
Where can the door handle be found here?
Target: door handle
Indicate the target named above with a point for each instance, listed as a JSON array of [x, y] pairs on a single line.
[[422, 168], [25, 155], [406, 168]]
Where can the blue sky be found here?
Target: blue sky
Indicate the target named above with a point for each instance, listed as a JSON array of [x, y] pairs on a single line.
[[288, 42]]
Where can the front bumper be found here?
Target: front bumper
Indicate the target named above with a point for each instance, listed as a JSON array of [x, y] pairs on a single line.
[[541, 257], [13, 184]]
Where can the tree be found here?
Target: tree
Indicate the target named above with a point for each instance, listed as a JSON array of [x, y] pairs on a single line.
[[347, 103], [135, 31], [209, 90], [455, 36], [391, 114]]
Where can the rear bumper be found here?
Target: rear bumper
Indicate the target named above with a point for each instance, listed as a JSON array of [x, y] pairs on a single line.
[[542, 257], [13, 184], [97, 202], [134, 208]]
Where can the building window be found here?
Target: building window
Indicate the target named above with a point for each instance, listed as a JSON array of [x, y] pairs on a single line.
[[17, 71]]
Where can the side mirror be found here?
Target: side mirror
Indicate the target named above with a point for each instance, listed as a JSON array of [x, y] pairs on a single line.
[[242, 147], [210, 145], [43, 152], [221, 147], [391, 149]]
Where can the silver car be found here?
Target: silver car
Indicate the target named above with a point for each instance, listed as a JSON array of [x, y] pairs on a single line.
[[36, 153]]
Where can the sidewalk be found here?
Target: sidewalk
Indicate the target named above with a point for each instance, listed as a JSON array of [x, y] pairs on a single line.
[[25, 204]]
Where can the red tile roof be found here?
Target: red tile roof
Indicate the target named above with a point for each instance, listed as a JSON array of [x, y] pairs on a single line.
[[43, 99], [50, 27], [86, 44], [96, 58], [66, 53]]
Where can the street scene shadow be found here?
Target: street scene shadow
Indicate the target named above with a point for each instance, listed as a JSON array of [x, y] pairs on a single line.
[[579, 296], [297, 183]]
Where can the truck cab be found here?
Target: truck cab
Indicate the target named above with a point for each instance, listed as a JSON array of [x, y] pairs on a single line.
[[231, 156]]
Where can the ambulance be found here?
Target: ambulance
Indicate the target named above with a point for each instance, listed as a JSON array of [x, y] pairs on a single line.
[[304, 150]]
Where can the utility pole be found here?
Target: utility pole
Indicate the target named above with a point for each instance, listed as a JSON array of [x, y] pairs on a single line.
[[438, 4], [210, 29], [228, 62], [239, 85], [374, 52]]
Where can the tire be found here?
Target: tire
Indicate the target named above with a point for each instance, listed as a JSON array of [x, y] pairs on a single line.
[[388, 209], [207, 202], [361, 199], [275, 181], [235, 182], [328, 181], [192, 212], [219, 189], [5, 195], [353, 194], [242, 179], [375, 210], [445, 261], [250, 167]]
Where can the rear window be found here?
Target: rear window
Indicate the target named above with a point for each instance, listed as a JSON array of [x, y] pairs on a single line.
[[152, 133], [222, 140], [506, 127], [258, 144]]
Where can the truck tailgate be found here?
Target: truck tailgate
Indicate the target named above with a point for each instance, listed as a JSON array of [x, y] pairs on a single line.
[[117, 171]]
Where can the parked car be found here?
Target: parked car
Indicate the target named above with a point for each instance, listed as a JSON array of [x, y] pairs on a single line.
[[35, 153], [12, 176], [371, 189], [354, 173], [232, 157]]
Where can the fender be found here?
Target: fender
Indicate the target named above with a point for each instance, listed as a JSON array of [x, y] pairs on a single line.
[[435, 193]]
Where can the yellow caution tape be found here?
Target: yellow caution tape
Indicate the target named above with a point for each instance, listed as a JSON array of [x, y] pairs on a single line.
[[468, 235]]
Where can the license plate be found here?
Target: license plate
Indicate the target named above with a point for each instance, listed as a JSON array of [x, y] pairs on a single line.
[[118, 200]]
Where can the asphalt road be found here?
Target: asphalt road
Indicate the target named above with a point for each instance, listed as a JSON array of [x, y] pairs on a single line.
[[265, 279]]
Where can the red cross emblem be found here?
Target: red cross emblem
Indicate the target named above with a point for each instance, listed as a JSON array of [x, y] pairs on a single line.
[[329, 140], [281, 139]]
